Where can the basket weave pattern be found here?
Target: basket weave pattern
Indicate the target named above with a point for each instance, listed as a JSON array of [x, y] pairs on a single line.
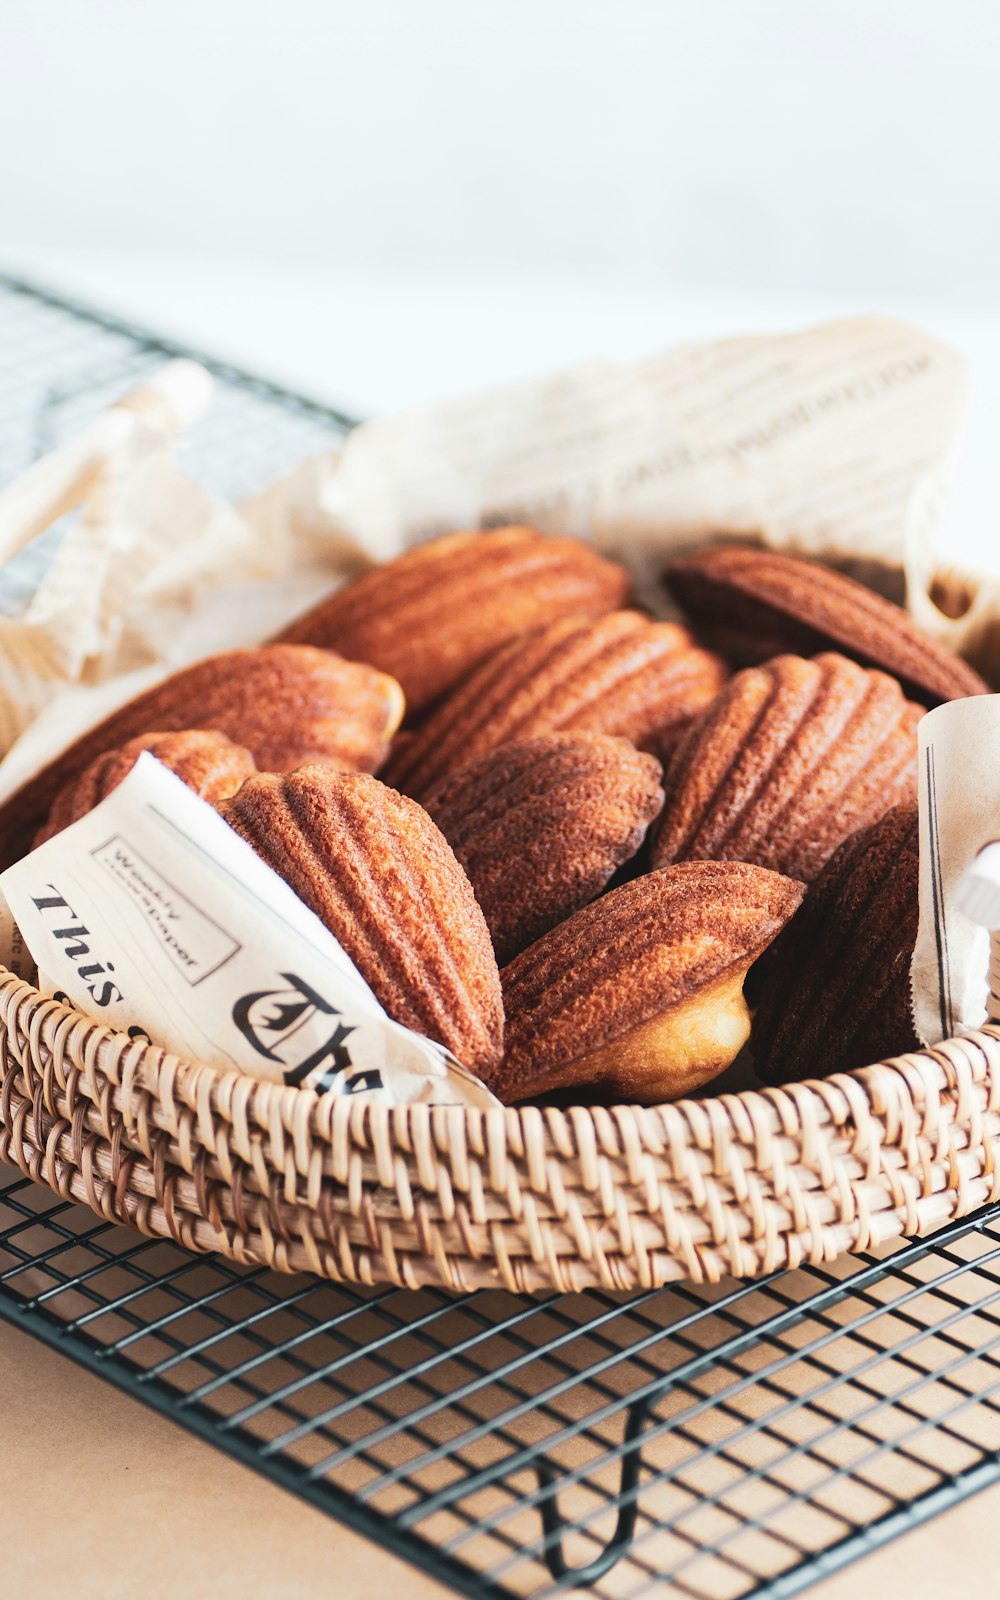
[[626, 1197]]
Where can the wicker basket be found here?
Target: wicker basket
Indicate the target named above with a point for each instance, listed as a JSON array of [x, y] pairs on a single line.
[[625, 1198]]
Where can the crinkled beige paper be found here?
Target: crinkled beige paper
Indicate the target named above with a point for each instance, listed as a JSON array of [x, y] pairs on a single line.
[[152, 573], [835, 441]]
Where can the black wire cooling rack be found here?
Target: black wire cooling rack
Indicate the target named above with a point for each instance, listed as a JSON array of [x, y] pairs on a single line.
[[734, 1440]]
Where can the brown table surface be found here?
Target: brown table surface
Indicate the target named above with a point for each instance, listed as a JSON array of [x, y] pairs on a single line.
[[104, 1498]]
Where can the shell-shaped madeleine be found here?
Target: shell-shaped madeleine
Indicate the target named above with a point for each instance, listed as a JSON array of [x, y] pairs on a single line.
[[619, 674], [836, 984], [752, 604], [286, 704], [432, 614], [789, 759], [380, 875], [641, 993], [541, 826], [209, 763]]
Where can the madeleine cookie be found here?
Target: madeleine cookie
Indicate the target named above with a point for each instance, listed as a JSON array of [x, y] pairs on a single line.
[[208, 763], [431, 615], [641, 993], [382, 878], [753, 604], [619, 674], [836, 985], [789, 759], [541, 826], [286, 704]]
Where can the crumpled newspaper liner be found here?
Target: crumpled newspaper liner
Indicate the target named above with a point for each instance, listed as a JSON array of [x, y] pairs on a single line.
[[153, 916], [836, 442]]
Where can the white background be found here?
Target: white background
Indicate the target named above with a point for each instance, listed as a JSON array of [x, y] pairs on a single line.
[[388, 200], [753, 143]]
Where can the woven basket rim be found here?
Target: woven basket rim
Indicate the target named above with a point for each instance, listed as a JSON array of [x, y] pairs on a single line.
[[829, 1099], [531, 1197]]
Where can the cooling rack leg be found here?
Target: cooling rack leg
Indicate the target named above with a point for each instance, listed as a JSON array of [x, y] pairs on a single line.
[[628, 1509]]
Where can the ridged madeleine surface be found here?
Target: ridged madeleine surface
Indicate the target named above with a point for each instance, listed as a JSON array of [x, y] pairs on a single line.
[[753, 604], [627, 994], [286, 704], [381, 877], [620, 674], [209, 763], [541, 826], [836, 985], [789, 759], [432, 614]]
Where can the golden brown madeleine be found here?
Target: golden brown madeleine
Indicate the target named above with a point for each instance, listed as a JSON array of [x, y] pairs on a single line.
[[753, 604], [641, 993], [378, 873], [542, 825], [836, 985], [789, 759], [286, 704], [431, 615], [209, 763], [618, 674]]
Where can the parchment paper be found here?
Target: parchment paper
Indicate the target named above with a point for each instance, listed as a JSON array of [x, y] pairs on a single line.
[[835, 441]]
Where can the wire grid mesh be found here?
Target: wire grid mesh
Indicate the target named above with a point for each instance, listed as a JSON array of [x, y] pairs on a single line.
[[739, 1439], [60, 367], [730, 1440]]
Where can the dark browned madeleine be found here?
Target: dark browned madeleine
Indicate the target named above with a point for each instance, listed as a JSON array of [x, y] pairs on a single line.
[[209, 763], [836, 984], [620, 674], [286, 704], [787, 761], [753, 604], [432, 614], [542, 825], [640, 994], [382, 878]]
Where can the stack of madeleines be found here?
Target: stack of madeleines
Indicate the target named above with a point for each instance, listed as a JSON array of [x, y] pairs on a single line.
[[555, 834]]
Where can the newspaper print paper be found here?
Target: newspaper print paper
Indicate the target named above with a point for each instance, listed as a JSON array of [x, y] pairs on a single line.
[[834, 441], [153, 916]]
